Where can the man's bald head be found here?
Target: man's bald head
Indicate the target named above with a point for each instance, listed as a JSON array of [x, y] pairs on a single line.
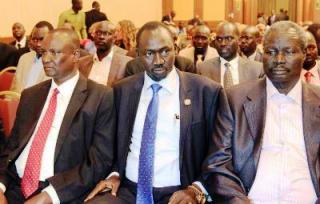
[[18, 31], [67, 37]]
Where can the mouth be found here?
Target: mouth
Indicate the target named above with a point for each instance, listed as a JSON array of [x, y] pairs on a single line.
[[159, 70], [280, 71]]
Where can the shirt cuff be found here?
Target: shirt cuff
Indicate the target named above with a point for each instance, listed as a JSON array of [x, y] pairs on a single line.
[[199, 184], [113, 174], [52, 194], [3, 187]]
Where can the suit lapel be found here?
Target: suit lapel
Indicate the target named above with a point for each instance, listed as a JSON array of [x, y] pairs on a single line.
[[114, 67], [133, 102], [255, 112], [311, 131], [34, 112], [186, 99], [242, 70], [216, 71], [77, 99]]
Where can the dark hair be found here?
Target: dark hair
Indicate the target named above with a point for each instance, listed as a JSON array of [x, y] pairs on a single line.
[[42, 24], [95, 4], [313, 28], [153, 25]]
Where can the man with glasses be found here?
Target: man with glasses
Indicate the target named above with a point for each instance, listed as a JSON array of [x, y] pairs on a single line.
[[165, 120], [30, 68], [229, 68], [108, 66]]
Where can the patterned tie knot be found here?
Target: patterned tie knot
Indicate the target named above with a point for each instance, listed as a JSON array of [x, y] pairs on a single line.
[[308, 76], [155, 88], [55, 92], [227, 64]]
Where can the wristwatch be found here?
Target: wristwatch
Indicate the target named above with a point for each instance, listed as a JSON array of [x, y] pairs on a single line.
[[200, 196]]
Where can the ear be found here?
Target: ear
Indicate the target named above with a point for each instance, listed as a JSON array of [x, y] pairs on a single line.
[[76, 54]]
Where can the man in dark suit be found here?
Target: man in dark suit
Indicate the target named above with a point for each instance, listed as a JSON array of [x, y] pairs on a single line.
[[8, 56], [20, 42], [136, 65], [63, 137], [229, 68], [187, 105], [94, 15], [248, 44], [266, 142]]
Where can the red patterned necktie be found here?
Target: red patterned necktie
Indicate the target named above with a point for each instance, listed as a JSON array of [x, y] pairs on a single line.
[[308, 76], [30, 178]]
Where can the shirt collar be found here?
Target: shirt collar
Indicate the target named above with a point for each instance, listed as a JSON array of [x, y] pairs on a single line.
[[108, 57], [22, 42], [233, 62], [168, 83], [67, 87], [314, 70], [295, 94]]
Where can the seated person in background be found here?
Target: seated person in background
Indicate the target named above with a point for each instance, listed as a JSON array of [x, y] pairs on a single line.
[[9, 56], [63, 137], [125, 35], [20, 42], [30, 68], [229, 68], [108, 65], [266, 141], [165, 120], [315, 30], [200, 50], [310, 72], [248, 42]]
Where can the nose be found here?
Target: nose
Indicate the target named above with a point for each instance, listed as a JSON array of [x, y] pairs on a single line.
[[280, 58], [158, 59]]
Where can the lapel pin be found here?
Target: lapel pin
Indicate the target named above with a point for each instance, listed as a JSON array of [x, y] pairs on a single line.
[[187, 102]]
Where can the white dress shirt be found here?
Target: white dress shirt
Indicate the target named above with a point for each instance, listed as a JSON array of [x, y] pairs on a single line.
[[234, 67], [47, 160], [315, 71], [22, 42], [166, 156], [34, 74], [283, 175], [101, 69]]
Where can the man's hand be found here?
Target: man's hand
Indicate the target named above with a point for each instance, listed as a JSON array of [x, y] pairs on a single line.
[[112, 183], [41, 198], [185, 196], [3, 199]]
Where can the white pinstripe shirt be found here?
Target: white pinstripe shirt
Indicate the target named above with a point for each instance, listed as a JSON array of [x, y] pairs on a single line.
[[283, 175]]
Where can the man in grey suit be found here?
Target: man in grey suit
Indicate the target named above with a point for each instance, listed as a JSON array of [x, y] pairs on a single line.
[[187, 105], [266, 141], [229, 68]]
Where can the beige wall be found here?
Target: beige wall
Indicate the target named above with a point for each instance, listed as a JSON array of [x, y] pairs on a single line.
[[29, 12], [214, 10], [184, 9]]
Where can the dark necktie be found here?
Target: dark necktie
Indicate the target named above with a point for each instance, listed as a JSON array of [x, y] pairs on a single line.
[[19, 45], [30, 178], [146, 158], [227, 79]]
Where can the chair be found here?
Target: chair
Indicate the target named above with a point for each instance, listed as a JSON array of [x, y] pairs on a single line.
[[6, 78], [8, 109]]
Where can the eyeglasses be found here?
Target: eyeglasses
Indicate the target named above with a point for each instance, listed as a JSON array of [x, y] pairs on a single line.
[[104, 33], [228, 39]]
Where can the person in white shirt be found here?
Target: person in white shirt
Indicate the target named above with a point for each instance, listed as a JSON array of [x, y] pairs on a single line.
[[267, 140], [63, 137], [311, 67], [181, 128], [20, 39], [108, 65]]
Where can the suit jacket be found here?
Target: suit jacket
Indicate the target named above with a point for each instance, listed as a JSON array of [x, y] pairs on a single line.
[[84, 148], [117, 68], [136, 65], [8, 57], [189, 53], [196, 120], [232, 165], [93, 16], [23, 71], [22, 50], [248, 70]]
